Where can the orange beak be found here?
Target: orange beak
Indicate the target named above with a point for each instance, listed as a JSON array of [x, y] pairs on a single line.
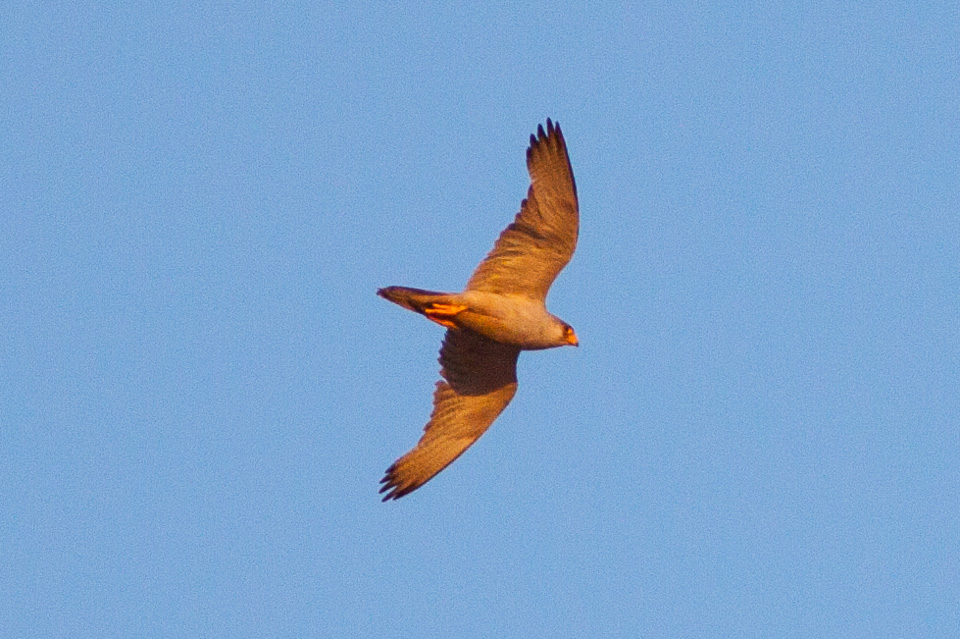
[[572, 339]]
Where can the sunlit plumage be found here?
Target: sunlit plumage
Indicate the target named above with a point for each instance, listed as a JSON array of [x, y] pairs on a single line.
[[501, 312]]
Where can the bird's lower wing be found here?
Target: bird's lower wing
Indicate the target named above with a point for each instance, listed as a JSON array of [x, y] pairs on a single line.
[[480, 379]]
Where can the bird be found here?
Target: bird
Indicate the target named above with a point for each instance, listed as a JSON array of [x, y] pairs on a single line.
[[501, 312]]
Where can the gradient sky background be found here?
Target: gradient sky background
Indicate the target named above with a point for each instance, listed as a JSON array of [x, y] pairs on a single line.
[[199, 390]]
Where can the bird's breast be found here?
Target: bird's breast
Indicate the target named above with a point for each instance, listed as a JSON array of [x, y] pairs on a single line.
[[522, 323]]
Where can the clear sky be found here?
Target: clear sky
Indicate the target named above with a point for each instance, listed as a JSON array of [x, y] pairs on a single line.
[[759, 435]]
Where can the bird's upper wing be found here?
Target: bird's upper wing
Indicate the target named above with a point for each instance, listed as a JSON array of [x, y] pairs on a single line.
[[530, 252], [480, 379]]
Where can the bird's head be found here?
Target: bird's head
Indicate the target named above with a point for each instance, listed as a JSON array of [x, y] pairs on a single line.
[[569, 336]]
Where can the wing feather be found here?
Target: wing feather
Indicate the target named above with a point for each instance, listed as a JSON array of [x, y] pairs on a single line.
[[531, 252], [479, 380]]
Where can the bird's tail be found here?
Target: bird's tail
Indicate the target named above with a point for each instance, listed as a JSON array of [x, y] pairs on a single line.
[[415, 299]]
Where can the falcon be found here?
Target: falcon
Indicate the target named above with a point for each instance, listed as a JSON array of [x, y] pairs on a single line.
[[501, 312]]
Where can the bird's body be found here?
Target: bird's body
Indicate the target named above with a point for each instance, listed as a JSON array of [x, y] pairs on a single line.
[[505, 318], [501, 311]]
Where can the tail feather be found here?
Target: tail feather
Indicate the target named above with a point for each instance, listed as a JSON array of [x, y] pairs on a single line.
[[415, 299]]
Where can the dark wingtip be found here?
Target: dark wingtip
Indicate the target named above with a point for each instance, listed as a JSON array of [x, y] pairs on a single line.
[[387, 486], [553, 129], [394, 494], [539, 138], [389, 482], [553, 139]]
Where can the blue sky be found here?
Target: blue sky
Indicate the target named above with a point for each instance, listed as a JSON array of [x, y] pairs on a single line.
[[199, 390]]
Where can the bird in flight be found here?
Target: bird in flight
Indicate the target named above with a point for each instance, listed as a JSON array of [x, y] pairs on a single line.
[[501, 312]]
